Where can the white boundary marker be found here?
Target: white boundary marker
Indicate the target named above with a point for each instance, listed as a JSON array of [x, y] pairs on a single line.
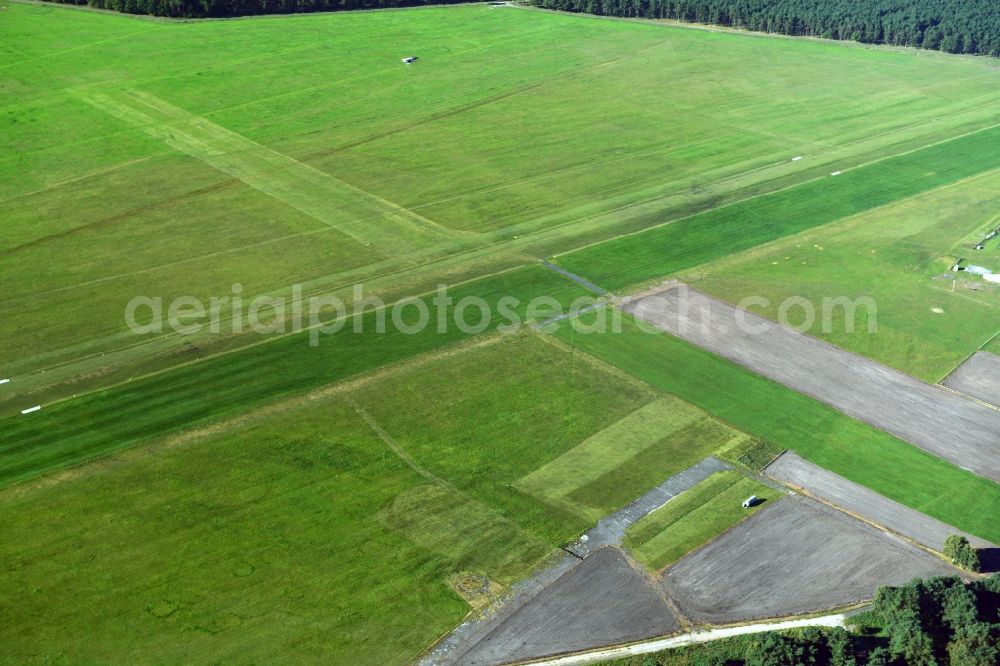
[[31, 409], [796, 159], [836, 173]]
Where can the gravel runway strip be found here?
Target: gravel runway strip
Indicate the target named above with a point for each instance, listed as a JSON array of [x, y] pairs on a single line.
[[467, 638], [855, 498], [797, 556], [950, 426], [603, 601], [979, 377]]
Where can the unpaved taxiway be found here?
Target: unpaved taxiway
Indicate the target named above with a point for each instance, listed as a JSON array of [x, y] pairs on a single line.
[[858, 500], [979, 377], [939, 421]]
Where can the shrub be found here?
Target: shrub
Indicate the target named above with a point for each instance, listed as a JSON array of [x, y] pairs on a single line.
[[961, 553]]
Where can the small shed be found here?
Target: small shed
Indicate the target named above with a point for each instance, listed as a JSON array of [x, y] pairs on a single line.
[[750, 502]]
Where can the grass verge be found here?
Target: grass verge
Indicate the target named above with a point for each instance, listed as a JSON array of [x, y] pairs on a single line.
[[694, 518]]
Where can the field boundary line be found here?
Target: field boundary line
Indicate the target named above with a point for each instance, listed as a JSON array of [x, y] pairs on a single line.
[[756, 34], [583, 282], [601, 364], [391, 442], [981, 348], [267, 339], [686, 624], [76, 179]]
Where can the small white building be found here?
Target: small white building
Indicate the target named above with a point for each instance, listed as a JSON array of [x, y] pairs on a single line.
[[750, 501]]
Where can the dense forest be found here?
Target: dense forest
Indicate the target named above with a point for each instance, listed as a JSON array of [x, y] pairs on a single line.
[[224, 8], [955, 26]]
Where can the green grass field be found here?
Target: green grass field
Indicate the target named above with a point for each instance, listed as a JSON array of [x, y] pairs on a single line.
[[695, 518], [791, 420], [693, 241], [896, 255], [339, 164], [80, 429], [619, 463], [298, 532], [216, 496]]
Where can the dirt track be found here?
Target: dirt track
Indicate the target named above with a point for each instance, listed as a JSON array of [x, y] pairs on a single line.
[[861, 501], [979, 377], [947, 425], [602, 601], [794, 557]]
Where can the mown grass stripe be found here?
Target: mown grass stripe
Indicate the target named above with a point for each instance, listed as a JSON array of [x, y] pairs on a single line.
[[100, 423], [694, 518], [664, 250]]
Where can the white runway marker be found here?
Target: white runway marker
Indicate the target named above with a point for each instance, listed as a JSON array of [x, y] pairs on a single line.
[[31, 409], [835, 173], [796, 159]]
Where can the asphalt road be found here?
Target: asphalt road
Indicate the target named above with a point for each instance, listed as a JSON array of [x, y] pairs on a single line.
[[796, 556], [947, 425], [979, 377], [868, 504]]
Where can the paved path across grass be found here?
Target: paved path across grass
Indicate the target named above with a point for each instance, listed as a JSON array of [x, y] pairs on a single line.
[[583, 282], [609, 531], [950, 426]]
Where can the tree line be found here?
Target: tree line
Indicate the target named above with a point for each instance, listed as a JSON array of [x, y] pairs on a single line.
[[954, 26], [229, 8]]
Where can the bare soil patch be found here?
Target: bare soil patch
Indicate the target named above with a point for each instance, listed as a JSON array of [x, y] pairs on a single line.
[[602, 601], [868, 504], [796, 556]]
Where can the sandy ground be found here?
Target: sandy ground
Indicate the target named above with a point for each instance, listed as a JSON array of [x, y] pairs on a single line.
[[868, 504], [979, 377], [947, 425], [603, 601], [796, 556]]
